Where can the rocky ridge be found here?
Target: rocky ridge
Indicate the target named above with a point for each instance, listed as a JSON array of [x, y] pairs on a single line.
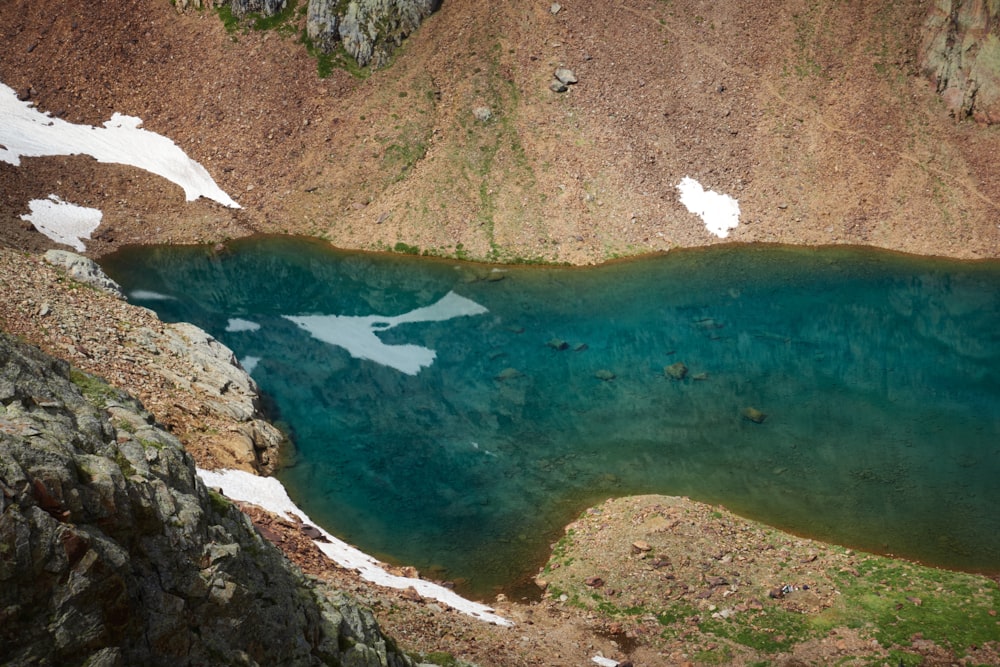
[[193, 383], [114, 552]]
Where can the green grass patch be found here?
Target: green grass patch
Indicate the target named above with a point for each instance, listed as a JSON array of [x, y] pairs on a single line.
[[399, 158], [771, 631], [896, 600], [406, 249], [339, 58], [93, 388]]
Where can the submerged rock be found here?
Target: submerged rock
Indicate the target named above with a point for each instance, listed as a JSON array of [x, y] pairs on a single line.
[[604, 374], [754, 415], [676, 371], [558, 344], [509, 374]]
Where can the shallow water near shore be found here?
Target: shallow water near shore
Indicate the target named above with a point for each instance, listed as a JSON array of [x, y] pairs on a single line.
[[455, 416]]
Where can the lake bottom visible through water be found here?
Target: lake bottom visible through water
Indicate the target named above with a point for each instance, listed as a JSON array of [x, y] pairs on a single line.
[[455, 416]]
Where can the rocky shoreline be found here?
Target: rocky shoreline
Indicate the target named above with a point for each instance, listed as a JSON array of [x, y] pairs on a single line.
[[192, 383]]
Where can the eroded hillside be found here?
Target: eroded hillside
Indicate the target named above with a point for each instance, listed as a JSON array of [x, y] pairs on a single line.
[[816, 116]]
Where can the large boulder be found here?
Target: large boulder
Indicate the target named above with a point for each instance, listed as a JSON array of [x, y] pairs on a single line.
[[113, 552], [84, 270], [961, 55]]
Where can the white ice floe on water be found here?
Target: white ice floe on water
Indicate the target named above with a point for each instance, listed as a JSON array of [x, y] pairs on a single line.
[[27, 132], [62, 221], [719, 212], [268, 493], [356, 334], [236, 324], [150, 295]]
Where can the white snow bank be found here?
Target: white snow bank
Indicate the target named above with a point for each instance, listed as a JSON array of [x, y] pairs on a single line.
[[604, 662], [27, 132], [62, 221], [268, 493], [356, 334], [719, 212]]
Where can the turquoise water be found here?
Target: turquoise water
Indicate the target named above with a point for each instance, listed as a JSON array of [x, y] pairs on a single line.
[[436, 422]]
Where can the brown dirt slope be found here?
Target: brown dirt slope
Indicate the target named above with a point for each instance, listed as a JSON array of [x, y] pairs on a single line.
[[813, 114]]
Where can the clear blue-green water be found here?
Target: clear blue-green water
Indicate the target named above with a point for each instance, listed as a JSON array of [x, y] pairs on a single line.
[[879, 375]]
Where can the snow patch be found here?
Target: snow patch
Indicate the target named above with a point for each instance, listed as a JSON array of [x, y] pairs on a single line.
[[719, 212], [62, 221], [27, 132], [249, 364], [268, 493]]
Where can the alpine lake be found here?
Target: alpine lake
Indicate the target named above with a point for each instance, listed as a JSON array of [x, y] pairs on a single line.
[[454, 416]]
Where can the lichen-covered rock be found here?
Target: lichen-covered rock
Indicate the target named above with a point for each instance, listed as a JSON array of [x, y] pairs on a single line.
[[368, 29], [323, 24], [228, 390], [112, 551], [241, 8], [961, 55]]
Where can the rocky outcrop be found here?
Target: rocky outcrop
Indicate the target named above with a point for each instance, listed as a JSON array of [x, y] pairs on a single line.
[[227, 390], [368, 29], [241, 8], [961, 55], [84, 270], [112, 551], [187, 357]]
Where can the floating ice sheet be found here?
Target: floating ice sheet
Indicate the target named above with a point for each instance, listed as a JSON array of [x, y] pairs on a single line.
[[356, 334]]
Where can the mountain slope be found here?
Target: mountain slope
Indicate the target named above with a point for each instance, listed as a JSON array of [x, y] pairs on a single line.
[[814, 115]]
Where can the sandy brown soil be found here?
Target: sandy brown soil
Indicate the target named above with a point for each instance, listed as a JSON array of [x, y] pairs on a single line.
[[814, 115]]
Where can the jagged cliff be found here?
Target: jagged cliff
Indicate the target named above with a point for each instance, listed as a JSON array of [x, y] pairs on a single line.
[[113, 552], [368, 29], [961, 55]]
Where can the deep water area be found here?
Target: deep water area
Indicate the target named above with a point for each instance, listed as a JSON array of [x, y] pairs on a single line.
[[454, 416]]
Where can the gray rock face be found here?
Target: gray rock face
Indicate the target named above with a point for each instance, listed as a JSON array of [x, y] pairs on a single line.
[[368, 29], [228, 390], [241, 8], [323, 25], [961, 56], [83, 270], [112, 552]]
